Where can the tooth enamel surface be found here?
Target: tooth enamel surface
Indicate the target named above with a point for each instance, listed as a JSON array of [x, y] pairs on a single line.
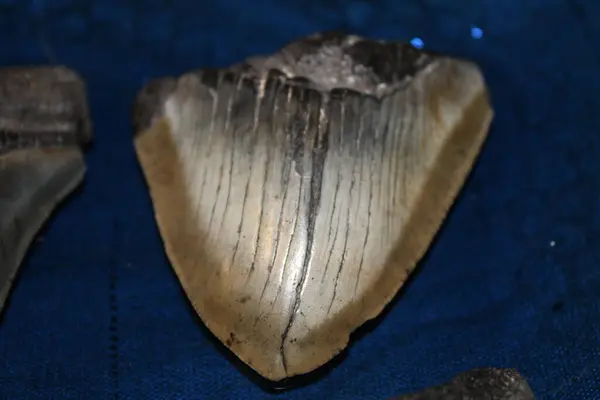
[[295, 193]]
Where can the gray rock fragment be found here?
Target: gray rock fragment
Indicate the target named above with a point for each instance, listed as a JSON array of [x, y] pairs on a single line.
[[478, 384]]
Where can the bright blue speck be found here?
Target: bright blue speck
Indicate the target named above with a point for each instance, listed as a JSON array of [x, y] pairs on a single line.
[[476, 33], [418, 43]]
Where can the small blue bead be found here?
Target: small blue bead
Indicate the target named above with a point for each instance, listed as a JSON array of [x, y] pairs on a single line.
[[417, 42], [476, 33]]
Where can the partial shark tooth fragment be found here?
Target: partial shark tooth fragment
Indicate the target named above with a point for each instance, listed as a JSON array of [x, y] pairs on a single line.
[[295, 193], [43, 124], [480, 383]]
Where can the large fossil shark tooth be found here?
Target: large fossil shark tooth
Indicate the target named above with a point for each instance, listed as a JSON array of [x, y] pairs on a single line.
[[480, 383], [295, 193], [43, 124]]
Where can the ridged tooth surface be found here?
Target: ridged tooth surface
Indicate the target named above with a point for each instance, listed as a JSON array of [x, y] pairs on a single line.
[[296, 193]]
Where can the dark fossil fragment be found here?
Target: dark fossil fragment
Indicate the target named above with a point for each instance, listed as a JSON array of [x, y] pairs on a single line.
[[296, 192], [44, 123], [478, 384]]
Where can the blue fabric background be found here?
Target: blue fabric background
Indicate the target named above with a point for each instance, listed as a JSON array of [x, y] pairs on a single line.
[[512, 281]]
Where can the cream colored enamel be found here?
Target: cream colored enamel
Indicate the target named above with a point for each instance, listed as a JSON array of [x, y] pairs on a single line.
[[242, 263]]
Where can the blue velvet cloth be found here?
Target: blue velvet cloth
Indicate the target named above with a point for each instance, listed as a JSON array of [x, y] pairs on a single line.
[[513, 279]]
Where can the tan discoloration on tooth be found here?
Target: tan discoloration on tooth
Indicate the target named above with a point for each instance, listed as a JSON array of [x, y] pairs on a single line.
[[44, 121], [294, 197]]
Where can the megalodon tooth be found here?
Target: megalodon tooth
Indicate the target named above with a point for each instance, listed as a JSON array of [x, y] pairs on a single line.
[[44, 122], [296, 192]]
